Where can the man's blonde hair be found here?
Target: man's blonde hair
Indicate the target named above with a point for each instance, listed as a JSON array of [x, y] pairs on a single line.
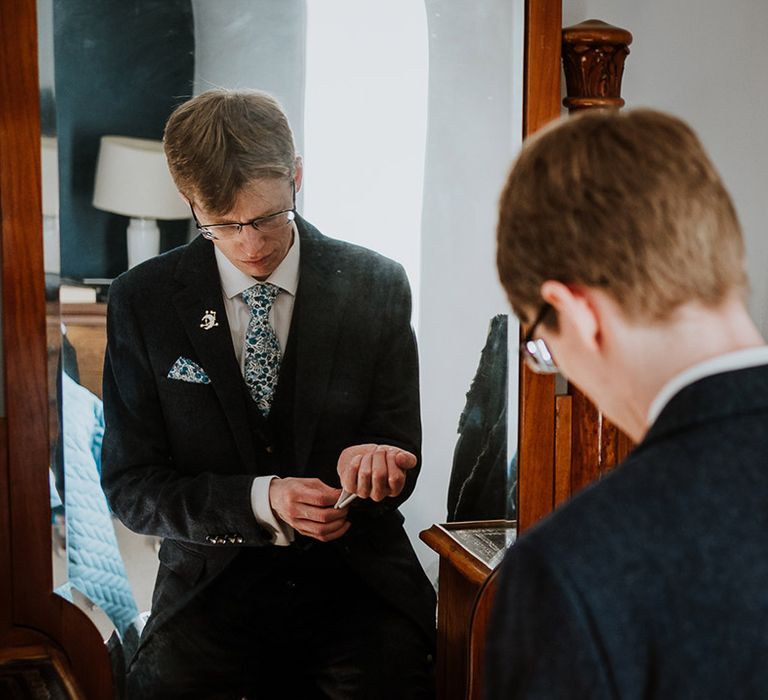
[[626, 201], [222, 140]]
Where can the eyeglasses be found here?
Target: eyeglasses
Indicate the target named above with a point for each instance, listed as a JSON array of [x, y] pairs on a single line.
[[535, 351], [265, 224]]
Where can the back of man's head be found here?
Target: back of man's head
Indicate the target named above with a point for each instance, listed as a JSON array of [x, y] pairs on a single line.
[[628, 202], [222, 140]]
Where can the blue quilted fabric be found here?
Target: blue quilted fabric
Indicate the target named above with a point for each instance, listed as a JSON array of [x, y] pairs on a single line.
[[95, 565]]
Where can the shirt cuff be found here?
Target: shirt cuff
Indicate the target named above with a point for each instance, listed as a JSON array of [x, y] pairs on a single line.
[[282, 533]]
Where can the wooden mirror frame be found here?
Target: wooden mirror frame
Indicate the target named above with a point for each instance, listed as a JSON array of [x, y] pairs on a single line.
[[32, 617], [565, 442], [541, 104]]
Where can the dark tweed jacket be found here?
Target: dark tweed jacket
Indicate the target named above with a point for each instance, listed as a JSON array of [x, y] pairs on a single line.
[[653, 583], [179, 457]]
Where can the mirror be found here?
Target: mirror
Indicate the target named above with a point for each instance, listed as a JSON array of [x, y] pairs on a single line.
[[407, 125]]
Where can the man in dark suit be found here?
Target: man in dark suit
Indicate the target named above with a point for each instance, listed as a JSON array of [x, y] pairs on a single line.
[[620, 247], [248, 376]]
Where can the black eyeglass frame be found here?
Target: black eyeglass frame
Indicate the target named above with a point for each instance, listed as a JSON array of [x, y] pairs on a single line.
[[205, 229], [534, 350]]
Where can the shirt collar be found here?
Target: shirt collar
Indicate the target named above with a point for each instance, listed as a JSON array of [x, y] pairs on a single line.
[[739, 359], [286, 275]]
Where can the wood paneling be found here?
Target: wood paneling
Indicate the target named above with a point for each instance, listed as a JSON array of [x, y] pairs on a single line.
[[537, 447], [585, 456], [563, 448]]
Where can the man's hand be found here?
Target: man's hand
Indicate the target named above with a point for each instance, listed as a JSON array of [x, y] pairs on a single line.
[[374, 471], [307, 506]]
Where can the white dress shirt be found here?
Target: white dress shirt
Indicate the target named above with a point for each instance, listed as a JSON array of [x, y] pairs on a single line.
[[739, 359], [233, 283]]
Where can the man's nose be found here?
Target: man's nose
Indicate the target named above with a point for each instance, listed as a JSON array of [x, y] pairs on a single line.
[[251, 238]]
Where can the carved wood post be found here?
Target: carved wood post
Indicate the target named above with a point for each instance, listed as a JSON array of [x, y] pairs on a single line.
[[593, 61]]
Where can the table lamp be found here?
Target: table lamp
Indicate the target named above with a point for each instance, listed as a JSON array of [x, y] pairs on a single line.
[[132, 179]]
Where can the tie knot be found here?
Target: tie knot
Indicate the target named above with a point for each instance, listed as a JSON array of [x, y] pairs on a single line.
[[260, 297]]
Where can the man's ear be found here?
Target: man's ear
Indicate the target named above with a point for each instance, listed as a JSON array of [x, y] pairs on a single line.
[[576, 312], [298, 176]]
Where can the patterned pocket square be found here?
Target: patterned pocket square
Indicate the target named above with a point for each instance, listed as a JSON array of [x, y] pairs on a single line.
[[187, 371]]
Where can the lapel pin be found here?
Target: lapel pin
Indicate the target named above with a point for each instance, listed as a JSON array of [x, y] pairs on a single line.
[[208, 320]]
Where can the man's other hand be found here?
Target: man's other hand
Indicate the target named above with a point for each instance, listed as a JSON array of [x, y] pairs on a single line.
[[374, 471], [307, 506]]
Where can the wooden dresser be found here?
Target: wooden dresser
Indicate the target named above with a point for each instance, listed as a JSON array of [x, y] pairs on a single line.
[[86, 329]]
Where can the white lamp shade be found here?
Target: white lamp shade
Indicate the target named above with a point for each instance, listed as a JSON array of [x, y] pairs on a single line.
[[50, 165], [132, 179]]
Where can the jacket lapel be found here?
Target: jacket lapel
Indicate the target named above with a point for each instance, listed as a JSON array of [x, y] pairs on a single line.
[[314, 327], [200, 292]]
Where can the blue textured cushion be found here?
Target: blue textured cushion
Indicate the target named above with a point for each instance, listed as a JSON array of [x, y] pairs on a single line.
[[95, 565]]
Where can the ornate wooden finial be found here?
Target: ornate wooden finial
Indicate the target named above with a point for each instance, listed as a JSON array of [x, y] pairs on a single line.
[[593, 60]]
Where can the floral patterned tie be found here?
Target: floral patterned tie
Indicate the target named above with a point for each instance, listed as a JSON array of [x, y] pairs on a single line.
[[262, 351]]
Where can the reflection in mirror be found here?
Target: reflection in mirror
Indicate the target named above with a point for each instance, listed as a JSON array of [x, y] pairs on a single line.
[[406, 143], [49, 160], [474, 128], [87, 564]]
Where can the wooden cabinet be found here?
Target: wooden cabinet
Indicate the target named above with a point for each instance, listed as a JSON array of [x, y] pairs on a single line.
[[86, 329], [469, 553]]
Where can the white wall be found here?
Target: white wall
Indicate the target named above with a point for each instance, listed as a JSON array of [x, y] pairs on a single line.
[[45, 43], [366, 124], [706, 62], [256, 45]]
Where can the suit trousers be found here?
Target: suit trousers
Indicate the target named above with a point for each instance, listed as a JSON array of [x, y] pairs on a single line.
[[285, 622]]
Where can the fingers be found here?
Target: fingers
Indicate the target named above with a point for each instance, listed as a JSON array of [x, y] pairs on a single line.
[[307, 506], [380, 473], [324, 532], [374, 471], [396, 473], [405, 460], [296, 494], [349, 474], [365, 472]]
